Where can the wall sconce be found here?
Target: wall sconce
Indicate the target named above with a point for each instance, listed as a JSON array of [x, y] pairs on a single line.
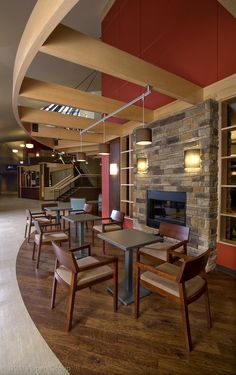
[[142, 165], [113, 169], [192, 160]]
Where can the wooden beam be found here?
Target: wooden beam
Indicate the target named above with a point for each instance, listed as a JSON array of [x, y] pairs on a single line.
[[88, 146], [56, 133], [71, 45], [58, 94], [229, 5], [33, 115]]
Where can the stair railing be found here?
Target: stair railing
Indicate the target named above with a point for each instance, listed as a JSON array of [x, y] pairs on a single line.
[[72, 181]]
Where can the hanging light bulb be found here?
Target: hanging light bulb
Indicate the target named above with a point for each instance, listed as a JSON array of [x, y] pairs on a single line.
[[143, 135], [104, 148]]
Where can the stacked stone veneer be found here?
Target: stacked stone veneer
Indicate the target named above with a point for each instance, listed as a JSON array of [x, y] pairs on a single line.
[[196, 127]]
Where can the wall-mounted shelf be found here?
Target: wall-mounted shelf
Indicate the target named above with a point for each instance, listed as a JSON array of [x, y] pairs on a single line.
[[127, 179]]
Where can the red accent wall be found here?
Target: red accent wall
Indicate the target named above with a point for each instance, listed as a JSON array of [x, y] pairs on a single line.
[[193, 39], [226, 256]]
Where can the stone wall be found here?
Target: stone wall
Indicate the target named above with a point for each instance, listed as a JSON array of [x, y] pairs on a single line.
[[196, 127]]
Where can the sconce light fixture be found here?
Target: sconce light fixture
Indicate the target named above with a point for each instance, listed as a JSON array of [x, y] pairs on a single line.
[[192, 160], [29, 145], [113, 169], [142, 165], [143, 135]]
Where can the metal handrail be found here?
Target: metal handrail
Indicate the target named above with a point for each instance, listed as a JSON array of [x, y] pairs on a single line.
[[61, 182]]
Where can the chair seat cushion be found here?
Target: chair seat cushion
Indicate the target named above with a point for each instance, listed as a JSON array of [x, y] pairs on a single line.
[[85, 276], [107, 228], [159, 249], [48, 237], [192, 286], [42, 219]]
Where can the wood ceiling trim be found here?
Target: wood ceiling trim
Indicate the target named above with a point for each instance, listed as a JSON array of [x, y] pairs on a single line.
[[74, 46], [58, 94], [57, 133], [33, 115], [88, 146]]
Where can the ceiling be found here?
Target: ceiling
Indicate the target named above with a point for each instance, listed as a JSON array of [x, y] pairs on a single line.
[[85, 16]]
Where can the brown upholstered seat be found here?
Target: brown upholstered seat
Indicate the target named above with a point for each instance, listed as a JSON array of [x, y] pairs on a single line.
[[182, 285], [82, 273], [175, 237], [109, 224], [45, 236]]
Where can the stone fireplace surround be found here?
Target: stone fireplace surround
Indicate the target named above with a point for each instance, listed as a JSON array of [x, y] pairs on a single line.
[[196, 127]]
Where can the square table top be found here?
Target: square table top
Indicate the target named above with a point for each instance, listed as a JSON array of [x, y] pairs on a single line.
[[128, 239], [61, 207], [80, 218]]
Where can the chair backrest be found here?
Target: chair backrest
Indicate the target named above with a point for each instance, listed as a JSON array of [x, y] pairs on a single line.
[[77, 203], [66, 258], [37, 227], [28, 213], [88, 208], [43, 205], [117, 215], [178, 232], [193, 267]]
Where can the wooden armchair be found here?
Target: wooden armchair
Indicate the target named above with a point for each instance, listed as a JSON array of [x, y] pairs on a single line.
[[50, 214], [174, 237], [40, 216], [82, 273], [45, 236], [87, 209], [182, 285], [109, 224]]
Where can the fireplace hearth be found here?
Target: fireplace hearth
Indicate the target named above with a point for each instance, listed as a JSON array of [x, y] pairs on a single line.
[[165, 206]]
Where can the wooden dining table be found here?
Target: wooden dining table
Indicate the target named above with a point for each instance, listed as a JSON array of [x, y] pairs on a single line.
[[128, 240]]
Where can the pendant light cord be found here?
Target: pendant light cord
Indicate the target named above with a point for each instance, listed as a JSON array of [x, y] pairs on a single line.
[[143, 110]]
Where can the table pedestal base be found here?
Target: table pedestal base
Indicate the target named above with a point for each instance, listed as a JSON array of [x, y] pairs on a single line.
[[126, 297]]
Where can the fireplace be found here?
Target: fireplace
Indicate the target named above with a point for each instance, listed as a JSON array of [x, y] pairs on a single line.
[[166, 206]]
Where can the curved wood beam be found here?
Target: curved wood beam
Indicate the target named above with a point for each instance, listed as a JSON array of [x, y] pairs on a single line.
[[45, 17], [58, 94], [74, 46], [37, 116]]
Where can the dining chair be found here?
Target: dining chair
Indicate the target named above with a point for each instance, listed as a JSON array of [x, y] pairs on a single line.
[[77, 204], [182, 285], [76, 274], [174, 237], [30, 217], [109, 224], [44, 236], [51, 214]]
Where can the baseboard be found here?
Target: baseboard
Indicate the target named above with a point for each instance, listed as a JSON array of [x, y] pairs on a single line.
[[226, 270]]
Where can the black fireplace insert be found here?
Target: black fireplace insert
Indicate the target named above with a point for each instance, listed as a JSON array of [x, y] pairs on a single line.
[[166, 206]]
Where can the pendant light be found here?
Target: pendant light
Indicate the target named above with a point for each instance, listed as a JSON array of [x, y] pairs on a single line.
[[81, 156], [143, 135], [104, 148]]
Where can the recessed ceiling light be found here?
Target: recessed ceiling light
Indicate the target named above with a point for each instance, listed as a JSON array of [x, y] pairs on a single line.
[[22, 145], [29, 145], [15, 150], [37, 154]]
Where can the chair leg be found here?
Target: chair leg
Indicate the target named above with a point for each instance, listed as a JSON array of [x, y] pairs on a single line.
[[104, 247], [38, 256], [136, 291], [33, 251], [186, 326], [207, 306], [115, 287], [92, 237], [29, 232], [54, 290], [26, 227], [70, 308]]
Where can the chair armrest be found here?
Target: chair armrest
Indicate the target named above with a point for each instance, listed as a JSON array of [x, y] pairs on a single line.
[[112, 223], [78, 248], [146, 267], [38, 214], [180, 255], [101, 263], [177, 245]]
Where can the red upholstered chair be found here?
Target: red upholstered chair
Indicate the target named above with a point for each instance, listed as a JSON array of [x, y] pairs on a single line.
[[82, 273], [182, 285]]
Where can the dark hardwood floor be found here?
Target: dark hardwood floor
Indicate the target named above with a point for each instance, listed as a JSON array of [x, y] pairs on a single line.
[[103, 342]]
